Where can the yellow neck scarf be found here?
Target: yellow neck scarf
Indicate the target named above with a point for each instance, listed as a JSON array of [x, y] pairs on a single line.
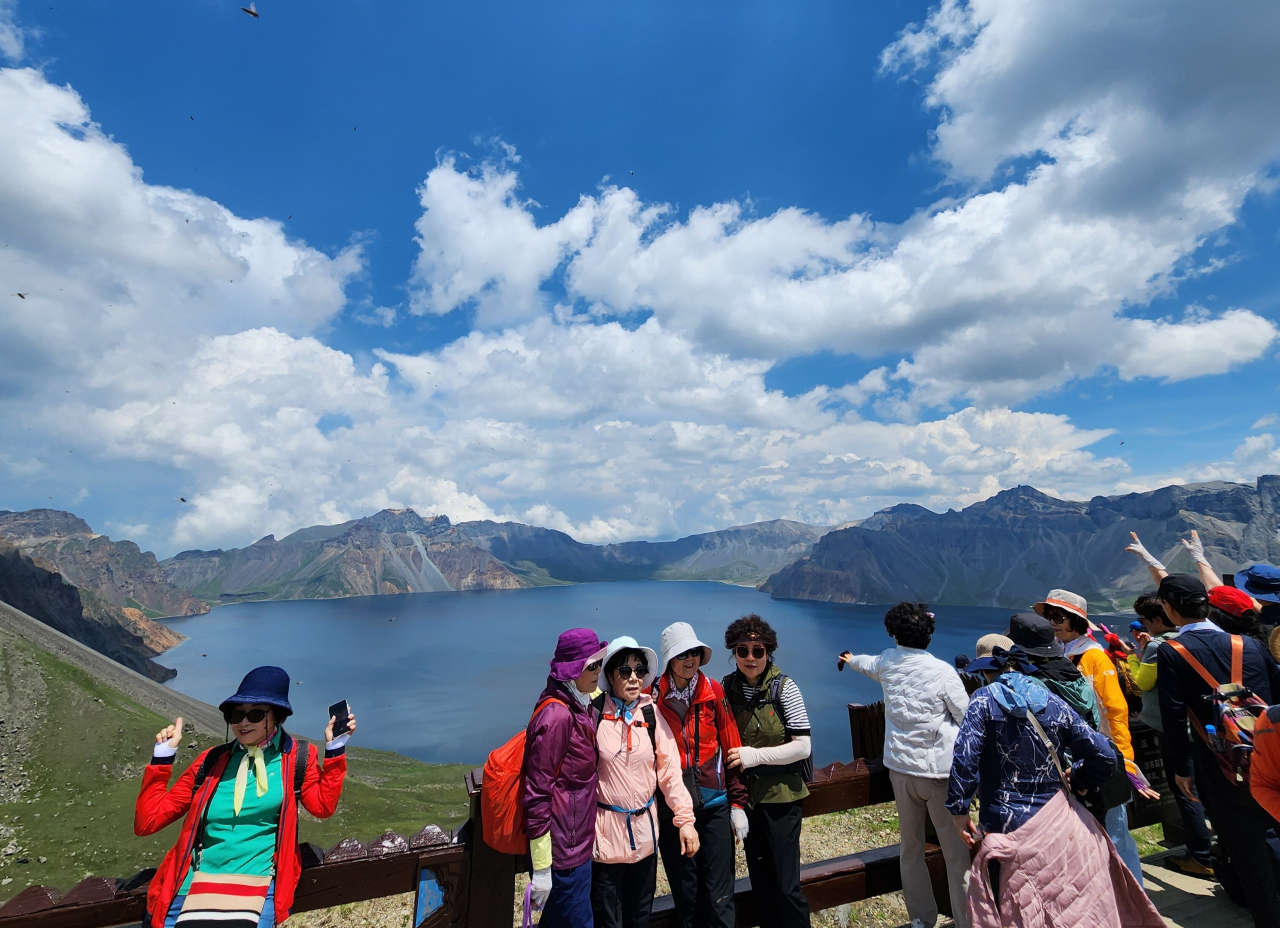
[[242, 776]]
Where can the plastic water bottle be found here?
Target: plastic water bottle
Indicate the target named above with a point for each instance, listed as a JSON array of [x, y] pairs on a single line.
[[1214, 739]]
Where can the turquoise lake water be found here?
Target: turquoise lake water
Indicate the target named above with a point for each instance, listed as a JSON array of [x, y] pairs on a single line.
[[456, 674]]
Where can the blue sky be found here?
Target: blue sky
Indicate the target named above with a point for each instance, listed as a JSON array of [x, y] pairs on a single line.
[[868, 254]]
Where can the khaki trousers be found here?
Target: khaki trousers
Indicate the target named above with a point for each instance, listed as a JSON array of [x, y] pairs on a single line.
[[918, 797]]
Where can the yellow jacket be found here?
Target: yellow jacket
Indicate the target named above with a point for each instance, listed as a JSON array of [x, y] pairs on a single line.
[[1096, 664]]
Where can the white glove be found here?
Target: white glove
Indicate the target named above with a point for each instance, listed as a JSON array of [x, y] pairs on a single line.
[[1195, 548], [541, 884], [738, 819], [1143, 553]]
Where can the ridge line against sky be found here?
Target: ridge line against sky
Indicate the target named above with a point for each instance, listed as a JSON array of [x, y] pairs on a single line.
[[1073, 288]]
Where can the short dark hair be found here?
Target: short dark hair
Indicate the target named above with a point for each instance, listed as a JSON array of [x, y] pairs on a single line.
[[1149, 607], [620, 658], [1247, 623], [1195, 608], [910, 624], [751, 627]]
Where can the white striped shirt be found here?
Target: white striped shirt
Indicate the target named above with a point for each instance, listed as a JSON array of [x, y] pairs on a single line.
[[795, 718]]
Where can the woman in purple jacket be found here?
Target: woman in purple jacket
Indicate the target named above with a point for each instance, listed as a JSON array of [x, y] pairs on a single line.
[[560, 782]]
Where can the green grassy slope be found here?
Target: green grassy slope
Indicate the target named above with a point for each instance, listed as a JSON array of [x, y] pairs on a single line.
[[71, 758]]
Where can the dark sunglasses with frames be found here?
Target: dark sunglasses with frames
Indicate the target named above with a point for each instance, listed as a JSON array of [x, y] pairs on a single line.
[[687, 655], [236, 716], [626, 670], [757, 651], [594, 667]]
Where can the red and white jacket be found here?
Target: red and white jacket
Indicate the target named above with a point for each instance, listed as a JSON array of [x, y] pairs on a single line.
[[159, 806]]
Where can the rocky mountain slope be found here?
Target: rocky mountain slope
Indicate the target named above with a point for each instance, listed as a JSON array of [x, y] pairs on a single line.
[[37, 589], [397, 551], [117, 572], [393, 551], [1011, 549]]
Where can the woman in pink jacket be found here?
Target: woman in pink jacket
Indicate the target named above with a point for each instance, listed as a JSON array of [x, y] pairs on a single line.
[[638, 754]]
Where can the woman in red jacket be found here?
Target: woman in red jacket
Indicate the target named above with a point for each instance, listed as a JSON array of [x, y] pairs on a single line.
[[695, 709], [236, 859]]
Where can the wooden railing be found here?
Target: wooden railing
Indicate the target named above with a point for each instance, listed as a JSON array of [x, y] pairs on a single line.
[[464, 882]]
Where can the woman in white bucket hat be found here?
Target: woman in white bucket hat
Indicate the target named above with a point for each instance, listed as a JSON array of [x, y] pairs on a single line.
[[694, 706], [638, 755]]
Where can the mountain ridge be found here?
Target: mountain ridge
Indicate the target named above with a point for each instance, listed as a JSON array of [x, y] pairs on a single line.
[[1010, 549]]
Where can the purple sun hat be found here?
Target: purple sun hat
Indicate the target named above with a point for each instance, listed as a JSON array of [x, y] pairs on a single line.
[[575, 649]]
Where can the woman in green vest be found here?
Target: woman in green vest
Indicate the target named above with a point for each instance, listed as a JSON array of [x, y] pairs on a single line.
[[775, 761]]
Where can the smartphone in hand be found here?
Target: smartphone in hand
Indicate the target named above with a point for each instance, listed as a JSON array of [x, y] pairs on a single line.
[[341, 715]]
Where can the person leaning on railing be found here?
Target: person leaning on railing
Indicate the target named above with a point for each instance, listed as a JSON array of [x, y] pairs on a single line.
[[236, 858], [924, 701]]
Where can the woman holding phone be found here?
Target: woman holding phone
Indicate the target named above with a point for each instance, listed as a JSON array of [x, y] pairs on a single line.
[[236, 858]]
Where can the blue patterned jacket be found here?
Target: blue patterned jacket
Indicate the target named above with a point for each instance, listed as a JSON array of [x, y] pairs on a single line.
[[999, 756]]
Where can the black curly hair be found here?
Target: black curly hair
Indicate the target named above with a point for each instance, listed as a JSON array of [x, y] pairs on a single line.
[[910, 624], [1149, 607], [751, 627]]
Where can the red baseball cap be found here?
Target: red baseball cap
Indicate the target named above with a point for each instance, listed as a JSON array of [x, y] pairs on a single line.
[[1230, 600]]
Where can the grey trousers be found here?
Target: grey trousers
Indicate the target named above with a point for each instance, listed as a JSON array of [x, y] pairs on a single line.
[[916, 798]]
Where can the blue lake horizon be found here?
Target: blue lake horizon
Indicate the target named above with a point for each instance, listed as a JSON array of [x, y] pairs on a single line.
[[448, 677]]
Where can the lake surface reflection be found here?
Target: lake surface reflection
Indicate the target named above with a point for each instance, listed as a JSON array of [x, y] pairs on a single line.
[[447, 677]]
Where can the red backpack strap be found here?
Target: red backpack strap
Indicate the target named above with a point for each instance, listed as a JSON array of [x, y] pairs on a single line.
[[1237, 659], [1199, 667]]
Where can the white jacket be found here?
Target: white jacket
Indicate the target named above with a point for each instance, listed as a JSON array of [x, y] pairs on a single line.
[[924, 703]]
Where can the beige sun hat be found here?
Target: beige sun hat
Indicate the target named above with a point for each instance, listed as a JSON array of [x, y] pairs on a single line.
[[988, 643], [1065, 599]]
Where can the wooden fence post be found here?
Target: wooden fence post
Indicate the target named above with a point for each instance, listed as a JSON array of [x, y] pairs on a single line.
[[491, 886]]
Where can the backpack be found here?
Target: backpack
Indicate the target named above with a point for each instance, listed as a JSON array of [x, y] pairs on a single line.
[[1236, 709], [1079, 695], [501, 810], [301, 757], [774, 696]]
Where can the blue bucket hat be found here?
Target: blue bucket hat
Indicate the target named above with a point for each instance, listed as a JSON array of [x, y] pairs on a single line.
[[268, 686], [1261, 581]]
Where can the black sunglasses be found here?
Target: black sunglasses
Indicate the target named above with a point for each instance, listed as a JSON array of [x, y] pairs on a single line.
[[236, 716], [626, 670], [744, 651], [692, 652], [594, 667]]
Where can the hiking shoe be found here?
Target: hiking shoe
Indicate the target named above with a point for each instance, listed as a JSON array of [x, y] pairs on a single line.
[[1189, 866]]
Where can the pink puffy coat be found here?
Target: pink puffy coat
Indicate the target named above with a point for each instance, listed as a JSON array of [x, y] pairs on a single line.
[[628, 778], [1058, 868]]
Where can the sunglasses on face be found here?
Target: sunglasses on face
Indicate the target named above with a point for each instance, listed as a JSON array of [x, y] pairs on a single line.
[[1055, 616], [236, 716], [691, 653], [744, 651], [626, 670], [594, 667]]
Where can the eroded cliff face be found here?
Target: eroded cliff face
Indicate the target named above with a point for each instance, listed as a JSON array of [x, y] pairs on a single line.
[[393, 551], [116, 571], [1011, 549], [33, 586]]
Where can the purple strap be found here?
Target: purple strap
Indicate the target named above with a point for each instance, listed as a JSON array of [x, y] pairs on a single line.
[[528, 907]]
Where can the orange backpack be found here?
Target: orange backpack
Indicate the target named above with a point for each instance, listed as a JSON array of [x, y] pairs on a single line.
[[500, 807]]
